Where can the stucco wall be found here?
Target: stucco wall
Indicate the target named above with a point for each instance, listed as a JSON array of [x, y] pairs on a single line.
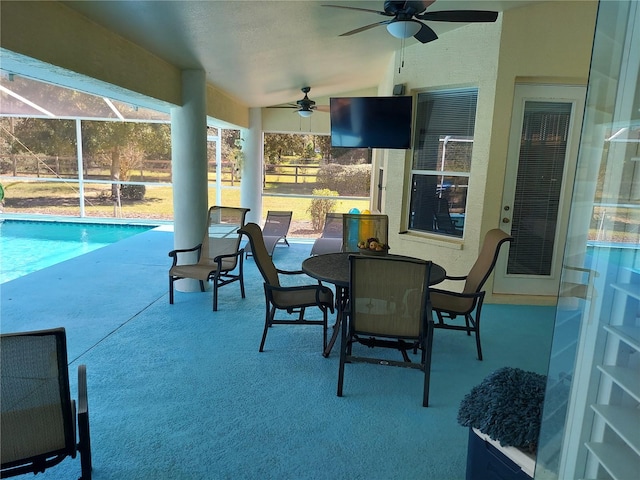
[[544, 43]]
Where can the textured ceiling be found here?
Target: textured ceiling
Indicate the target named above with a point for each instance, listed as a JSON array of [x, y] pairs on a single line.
[[263, 52]]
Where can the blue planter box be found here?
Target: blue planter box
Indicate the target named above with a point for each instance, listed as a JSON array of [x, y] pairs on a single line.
[[486, 459]]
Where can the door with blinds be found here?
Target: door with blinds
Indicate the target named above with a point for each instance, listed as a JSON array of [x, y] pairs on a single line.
[[541, 160]]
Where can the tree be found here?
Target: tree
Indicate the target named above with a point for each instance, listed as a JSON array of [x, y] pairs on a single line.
[[277, 145], [323, 145], [125, 145], [40, 136]]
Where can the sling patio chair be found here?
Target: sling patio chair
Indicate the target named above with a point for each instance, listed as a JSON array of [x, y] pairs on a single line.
[[292, 299], [388, 307], [39, 418], [330, 241], [276, 227], [218, 258], [468, 304]]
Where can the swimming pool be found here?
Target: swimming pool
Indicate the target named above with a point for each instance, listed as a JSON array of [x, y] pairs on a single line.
[[27, 246]]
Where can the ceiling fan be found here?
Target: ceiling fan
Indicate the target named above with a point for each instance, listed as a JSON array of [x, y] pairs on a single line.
[[407, 15], [305, 106]]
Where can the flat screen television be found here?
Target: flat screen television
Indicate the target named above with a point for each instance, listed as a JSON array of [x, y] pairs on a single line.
[[371, 122]]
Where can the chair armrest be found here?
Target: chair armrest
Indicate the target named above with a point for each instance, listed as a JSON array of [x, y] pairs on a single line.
[[318, 288], [581, 269], [174, 253], [290, 272], [293, 288], [219, 258], [449, 277], [458, 294]]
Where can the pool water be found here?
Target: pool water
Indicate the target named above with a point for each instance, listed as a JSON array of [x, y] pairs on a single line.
[[28, 246]]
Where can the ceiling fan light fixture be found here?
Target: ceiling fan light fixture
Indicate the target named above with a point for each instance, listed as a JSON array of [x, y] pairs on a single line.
[[305, 113], [403, 28]]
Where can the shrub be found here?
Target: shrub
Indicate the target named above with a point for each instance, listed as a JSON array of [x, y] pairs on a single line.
[[321, 206], [347, 180], [132, 192]]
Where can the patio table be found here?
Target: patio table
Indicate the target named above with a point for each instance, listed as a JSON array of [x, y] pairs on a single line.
[[334, 268]]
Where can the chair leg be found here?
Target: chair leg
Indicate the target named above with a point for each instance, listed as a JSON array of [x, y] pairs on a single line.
[[477, 332], [85, 448], [170, 290], [215, 293], [84, 435], [343, 355], [201, 285], [241, 276], [267, 323], [476, 325], [426, 364], [325, 320]]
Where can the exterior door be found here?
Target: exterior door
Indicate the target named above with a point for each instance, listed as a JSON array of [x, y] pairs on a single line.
[[541, 160]]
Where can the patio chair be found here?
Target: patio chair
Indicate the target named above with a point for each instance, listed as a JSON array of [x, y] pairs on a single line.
[[292, 299], [467, 304], [276, 227], [388, 307], [442, 218], [359, 227], [39, 419], [220, 258], [330, 241]]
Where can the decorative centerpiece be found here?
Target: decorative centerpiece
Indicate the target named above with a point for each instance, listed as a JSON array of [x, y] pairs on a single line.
[[372, 246]]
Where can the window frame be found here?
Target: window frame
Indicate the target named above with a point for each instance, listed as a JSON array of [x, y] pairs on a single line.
[[459, 92]]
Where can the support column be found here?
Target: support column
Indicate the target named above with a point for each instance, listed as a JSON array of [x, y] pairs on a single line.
[[189, 167], [252, 171]]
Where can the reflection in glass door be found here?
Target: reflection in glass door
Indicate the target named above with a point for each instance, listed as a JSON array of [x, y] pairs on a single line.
[[591, 415]]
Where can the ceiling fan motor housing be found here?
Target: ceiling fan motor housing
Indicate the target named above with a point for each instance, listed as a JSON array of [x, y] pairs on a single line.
[[306, 104], [403, 8]]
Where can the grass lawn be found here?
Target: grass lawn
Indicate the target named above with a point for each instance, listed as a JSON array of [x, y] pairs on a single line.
[[62, 199]]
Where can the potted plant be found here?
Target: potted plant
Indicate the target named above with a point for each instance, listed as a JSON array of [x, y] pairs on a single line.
[[503, 414]]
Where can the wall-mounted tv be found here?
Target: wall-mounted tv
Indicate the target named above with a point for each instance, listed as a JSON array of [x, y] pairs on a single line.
[[371, 122]]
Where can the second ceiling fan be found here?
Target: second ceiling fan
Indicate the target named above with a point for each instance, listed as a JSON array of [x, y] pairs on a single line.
[[407, 16], [305, 106]]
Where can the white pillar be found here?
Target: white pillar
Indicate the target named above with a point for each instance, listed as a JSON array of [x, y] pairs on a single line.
[[189, 167], [251, 186]]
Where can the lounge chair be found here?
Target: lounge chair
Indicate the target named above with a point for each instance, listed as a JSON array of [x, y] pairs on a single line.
[[442, 218], [276, 227], [468, 303], [330, 241], [293, 299], [388, 307], [39, 419], [220, 257]]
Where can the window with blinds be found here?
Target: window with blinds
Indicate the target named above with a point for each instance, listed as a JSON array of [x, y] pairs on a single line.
[[445, 123]]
